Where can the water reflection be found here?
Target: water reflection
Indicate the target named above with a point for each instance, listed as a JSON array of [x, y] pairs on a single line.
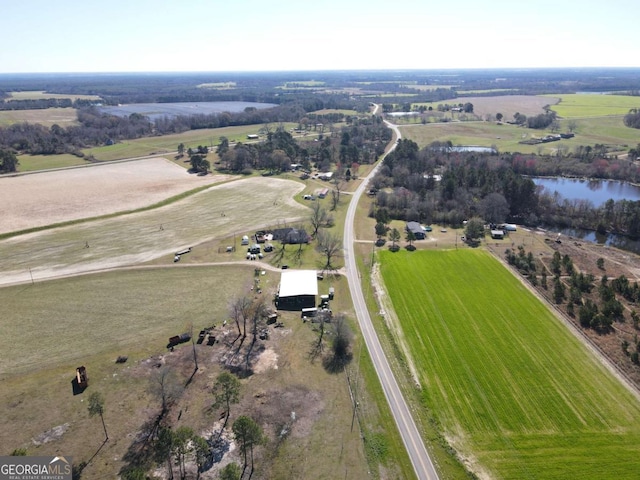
[[609, 239], [595, 191]]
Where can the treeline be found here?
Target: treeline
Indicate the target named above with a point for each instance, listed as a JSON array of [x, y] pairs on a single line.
[[362, 142], [437, 185], [102, 129], [584, 162], [632, 119], [94, 129], [43, 103]]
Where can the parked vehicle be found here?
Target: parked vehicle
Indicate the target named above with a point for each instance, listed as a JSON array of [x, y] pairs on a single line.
[[82, 377]]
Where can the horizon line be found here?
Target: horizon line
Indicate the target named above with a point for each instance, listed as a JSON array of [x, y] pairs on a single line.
[[327, 70]]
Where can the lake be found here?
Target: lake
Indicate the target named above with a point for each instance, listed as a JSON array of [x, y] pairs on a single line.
[[596, 191], [157, 110]]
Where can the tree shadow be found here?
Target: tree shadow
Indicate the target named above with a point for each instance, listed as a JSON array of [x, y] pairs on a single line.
[[140, 454], [336, 364], [315, 351], [104, 442], [76, 388]]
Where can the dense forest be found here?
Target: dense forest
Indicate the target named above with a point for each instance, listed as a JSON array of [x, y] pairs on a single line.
[[362, 141], [436, 184]]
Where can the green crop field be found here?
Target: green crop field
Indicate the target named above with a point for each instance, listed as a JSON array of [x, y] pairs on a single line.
[[583, 105], [515, 393]]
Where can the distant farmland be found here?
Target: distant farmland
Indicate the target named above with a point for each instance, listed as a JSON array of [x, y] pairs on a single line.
[[583, 105], [514, 392]]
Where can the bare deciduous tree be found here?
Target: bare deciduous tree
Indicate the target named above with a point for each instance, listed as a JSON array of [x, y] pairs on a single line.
[[318, 217], [166, 387], [331, 247], [240, 310]]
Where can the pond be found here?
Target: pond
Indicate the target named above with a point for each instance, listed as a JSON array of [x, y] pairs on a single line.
[[610, 239], [596, 191], [158, 110]]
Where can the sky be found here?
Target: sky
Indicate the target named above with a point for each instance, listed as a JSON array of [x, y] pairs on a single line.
[[287, 35]]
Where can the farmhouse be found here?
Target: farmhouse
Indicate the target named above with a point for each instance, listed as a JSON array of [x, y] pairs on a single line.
[[290, 235], [298, 290], [326, 176], [417, 230]]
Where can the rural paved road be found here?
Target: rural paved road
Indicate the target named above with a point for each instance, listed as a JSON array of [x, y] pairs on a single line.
[[418, 454]]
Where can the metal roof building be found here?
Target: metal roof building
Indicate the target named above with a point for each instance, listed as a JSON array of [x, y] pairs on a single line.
[[298, 289]]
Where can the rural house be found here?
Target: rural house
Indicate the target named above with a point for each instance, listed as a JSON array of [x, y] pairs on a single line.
[[417, 230], [290, 235]]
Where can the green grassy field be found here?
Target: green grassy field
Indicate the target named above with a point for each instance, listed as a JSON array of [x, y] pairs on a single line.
[[91, 320], [169, 143], [504, 137], [514, 391], [589, 131], [161, 145], [139, 304], [581, 105]]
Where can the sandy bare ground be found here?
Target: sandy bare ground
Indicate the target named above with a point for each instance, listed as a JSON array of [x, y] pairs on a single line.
[[45, 198]]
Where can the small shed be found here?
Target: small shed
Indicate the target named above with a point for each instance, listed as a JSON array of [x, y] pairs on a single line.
[[497, 234]]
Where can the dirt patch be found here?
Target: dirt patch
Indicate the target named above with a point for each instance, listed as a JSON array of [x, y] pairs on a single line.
[[292, 411], [268, 360], [45, 198], [50, 435]]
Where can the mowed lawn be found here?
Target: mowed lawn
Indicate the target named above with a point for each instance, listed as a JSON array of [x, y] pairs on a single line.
[[513, 390]]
